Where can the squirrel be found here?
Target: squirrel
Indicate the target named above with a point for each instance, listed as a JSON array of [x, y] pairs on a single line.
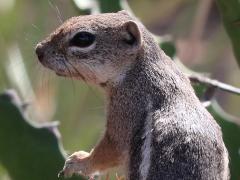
[[156, 126]]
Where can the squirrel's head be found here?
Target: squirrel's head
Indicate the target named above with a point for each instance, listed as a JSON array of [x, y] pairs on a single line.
[[95, 48]]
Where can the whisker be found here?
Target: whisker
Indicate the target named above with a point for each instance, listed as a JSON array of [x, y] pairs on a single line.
[[89, 86], [76, 70], [56, 9], [59, 15], [71, 75], [37, 28], [82, 77], [51, 4]]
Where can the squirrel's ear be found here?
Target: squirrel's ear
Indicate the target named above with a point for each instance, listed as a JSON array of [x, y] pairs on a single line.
[[133, 35]]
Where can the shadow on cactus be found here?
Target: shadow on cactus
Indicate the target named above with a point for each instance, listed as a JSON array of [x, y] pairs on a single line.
[[28, 151]]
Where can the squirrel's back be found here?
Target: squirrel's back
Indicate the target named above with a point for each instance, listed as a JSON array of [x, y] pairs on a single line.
[[174, 137]]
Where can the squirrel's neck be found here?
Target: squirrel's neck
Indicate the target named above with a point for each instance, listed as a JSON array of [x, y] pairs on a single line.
[[154, 77], [152, 73]]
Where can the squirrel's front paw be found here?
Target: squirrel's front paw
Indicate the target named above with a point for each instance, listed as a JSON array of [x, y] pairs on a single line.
[[77, 163]]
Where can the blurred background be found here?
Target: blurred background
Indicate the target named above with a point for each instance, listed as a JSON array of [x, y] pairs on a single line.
[[195, 25]]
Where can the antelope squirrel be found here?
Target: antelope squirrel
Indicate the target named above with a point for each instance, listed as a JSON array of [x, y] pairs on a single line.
[[156, 127]]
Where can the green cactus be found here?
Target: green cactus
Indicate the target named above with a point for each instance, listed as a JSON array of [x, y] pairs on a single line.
[[27, 151], [230, 11], [109, 5], [231, 134], [230, 130]]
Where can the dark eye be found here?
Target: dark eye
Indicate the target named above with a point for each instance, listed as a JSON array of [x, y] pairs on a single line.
[[82, 39]]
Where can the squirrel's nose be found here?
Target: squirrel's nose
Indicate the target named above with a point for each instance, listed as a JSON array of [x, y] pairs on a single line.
[[39, 51]]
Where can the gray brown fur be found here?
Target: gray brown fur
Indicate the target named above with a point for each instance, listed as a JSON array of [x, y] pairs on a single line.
[[143, 88]]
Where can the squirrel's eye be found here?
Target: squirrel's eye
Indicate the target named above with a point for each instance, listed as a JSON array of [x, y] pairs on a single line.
[[82, 39]]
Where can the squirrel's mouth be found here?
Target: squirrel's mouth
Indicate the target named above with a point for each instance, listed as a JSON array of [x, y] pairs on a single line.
[[72, 75], [61, 74]]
